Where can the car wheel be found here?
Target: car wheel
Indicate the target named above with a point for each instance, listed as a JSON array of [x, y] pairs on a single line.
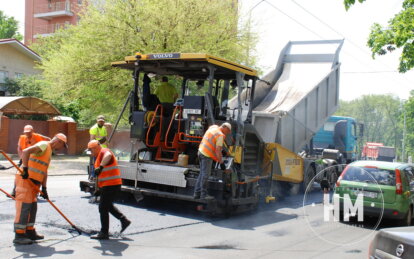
[[408, 218]]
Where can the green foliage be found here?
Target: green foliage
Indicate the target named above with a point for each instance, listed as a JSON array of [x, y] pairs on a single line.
[[76, 61], [381, 116], [9, 27], [36, 86], [349, 3], [409, 113], [398, 33]]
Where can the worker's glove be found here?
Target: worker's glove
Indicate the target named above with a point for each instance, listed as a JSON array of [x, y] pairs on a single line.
[[222, 166], [25, 174], [44, 194], [98, 170], [102, 140], [20, 163]]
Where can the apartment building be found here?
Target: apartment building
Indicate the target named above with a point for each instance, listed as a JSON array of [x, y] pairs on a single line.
[[44, 17]]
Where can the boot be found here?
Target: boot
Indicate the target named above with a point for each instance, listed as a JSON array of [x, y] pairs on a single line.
[[22, 239], [100, 236], [124, 223], [32, 234]]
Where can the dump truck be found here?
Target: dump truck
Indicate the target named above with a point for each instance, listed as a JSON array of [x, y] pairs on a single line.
[[377, 151], [340, 133], [273, 120]]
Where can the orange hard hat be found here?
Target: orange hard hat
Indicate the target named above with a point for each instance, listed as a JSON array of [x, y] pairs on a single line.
[[93, 144], [62, 137]]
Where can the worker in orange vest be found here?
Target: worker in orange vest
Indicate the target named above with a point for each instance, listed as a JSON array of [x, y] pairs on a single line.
[[28, 139], [109, 184], [35, 161], [210, 150]]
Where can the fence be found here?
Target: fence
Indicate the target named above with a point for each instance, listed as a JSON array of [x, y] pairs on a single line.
[[11, 129]]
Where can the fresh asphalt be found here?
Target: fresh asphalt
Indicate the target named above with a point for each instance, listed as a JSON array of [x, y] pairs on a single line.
[[165, 229]]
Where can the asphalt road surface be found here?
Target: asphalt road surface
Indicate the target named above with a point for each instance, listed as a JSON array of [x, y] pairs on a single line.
[[166, 229]]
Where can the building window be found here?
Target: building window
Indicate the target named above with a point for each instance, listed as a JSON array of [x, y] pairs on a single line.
[[3, 76], [18, 75]]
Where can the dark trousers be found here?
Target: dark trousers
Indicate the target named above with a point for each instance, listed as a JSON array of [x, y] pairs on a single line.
[[106, 206], [205, 170]]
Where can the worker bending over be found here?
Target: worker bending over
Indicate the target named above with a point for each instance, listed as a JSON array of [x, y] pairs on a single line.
[[28, 139], [210, 150], [35, 160], [109, 183]]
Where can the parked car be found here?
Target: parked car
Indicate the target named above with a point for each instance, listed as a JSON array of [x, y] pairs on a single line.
[[393, 243], [385, 185]]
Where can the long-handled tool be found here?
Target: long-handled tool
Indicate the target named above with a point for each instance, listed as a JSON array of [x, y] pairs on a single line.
[[8, 195], [37, 189], [5, 168]]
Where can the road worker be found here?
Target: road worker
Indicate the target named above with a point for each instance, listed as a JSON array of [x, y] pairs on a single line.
[[109, 184], [99, 132], [167, 94], [210, 150], [28, 139], [35, 161]]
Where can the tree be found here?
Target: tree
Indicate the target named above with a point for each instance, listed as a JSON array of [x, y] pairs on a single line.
[[76, 61], [398, 33], [9, 27], [33, 85], [409, 113]]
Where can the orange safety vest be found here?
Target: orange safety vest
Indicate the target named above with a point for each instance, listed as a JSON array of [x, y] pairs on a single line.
[[110, 175], [208, 144], [24, 142], [38, 165]]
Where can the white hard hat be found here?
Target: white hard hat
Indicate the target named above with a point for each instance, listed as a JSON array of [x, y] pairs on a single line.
[[227, 125]]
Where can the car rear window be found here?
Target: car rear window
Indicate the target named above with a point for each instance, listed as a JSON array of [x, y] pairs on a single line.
[[367, 175]]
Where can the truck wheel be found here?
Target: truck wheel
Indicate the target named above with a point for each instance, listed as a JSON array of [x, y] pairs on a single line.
[[297, 188], [307, 179]]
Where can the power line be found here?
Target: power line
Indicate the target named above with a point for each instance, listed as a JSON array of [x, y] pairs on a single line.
[[290, 17], [350, 41], [251, 9], [369, 72]]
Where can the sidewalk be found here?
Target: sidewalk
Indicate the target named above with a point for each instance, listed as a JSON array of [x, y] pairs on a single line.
[[60, 165]]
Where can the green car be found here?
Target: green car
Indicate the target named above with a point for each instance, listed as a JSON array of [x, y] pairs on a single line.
[[382, 186]]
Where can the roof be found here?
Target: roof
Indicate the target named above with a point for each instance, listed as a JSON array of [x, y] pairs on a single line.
[[379, 164], [21, 105], [21, 47], [187, 65]]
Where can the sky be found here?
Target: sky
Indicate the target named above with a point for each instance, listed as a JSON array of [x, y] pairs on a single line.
[[278, 22]]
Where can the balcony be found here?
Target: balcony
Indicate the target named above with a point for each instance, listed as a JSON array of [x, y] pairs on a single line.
[[48, 30], [51, 10]]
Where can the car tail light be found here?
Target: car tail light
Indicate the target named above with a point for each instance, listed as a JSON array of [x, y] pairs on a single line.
[[398, 183], [338, 182]]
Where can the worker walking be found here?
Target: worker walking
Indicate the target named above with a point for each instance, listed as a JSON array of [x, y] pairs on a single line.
[[28, 139], [109, 184], [35, 161], [210, 150]]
